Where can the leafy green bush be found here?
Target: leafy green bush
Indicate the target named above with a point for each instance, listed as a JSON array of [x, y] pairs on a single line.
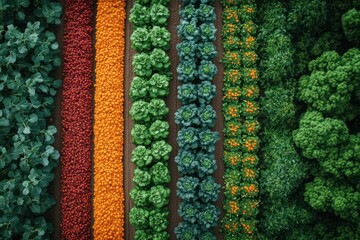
[[159, 14], [186, 162], [160, 37], [160, 173], [139, 111], [159, 130], [188, 138], [351, 26], [140, 39], [140, 135], [139, 15], [141, 177], [187, 93], [139, 88], [187, 71], [158, 86], [187, 188], [186, 50], [142, 156], [139, 217], [206, 92], [141, 66], [159, 196], [159, 60], [186, 115], [28, 54], [160, 150]]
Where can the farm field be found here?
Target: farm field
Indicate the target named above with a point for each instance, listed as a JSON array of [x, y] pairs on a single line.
[[193, 119]]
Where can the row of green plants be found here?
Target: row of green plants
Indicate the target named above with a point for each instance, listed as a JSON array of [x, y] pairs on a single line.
[[29, 52], [282, 170], [195, 160], [241, 126], [148, 91]]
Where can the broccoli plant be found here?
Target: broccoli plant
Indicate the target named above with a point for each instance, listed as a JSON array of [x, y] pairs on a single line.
[[332, 82]]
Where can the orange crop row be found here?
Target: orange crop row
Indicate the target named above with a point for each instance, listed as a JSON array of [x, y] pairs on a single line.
[[108, 120]]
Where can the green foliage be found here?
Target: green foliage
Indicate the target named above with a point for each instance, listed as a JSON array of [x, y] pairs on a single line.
[[160, 150], [139, 88], [307, 15], [140, 196], [158, 108], [327, 135], [278, 107], [331, 195], [209, 190], [187, 71], [28, 54], [160, 37], [139, 111], [187, 231], [207, 70], [159, 196], [140, 135], [141, 66], [187, 188], [160, 173], [186, 115], [159, 60], [284, 170], [140, 39], [159, 130], [331, 84], [139, 15], [206, 92], [159, 15], [351, 26], [209, 215], [158, 220], [141, 156], [139, 217], [187, 93], [141, 177], [158, 85]]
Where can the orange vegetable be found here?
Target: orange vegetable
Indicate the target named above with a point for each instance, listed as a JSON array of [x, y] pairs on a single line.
[[108, 120]]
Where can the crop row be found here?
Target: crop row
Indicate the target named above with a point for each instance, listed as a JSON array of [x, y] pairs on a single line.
[[149, 87], [76, 116], [108, 120], [195, 160], [29, 53], [241, 126]]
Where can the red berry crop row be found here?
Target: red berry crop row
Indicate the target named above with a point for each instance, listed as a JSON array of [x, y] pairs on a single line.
[[77, 120]]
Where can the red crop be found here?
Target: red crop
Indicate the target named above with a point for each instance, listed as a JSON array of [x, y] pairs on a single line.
[[76, 115]]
